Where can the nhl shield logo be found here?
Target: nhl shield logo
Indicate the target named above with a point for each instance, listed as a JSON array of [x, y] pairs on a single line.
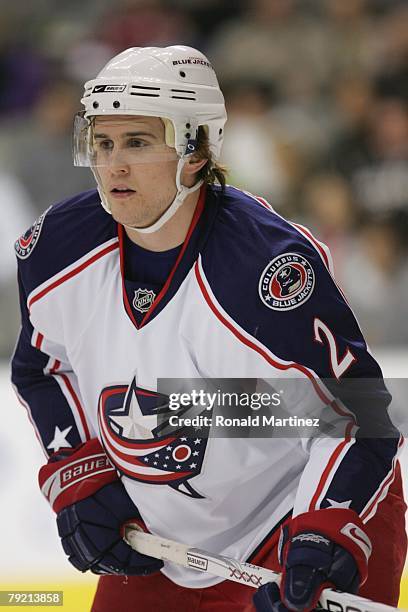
[[286, 282], [143, 299]]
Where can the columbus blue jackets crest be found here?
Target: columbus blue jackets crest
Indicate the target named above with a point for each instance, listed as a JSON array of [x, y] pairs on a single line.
[[24, 246], [286, 282], [131, 420]]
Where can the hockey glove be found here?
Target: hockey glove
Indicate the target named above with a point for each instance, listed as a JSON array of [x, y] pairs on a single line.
[[317, 550], [92, 508]]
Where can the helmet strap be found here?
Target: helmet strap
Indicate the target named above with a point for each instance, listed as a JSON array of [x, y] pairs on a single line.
[[182, 193]]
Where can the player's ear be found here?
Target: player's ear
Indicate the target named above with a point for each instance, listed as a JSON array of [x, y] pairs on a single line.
[[194, 165], [190, 170]]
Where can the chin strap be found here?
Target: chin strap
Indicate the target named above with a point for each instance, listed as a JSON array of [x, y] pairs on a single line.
[[182, 193]]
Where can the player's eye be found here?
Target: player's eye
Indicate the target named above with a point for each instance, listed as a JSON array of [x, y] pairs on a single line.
[[137, 143], [104, 145]]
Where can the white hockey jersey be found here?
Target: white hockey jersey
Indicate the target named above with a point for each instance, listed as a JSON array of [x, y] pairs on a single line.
[[251, 296]]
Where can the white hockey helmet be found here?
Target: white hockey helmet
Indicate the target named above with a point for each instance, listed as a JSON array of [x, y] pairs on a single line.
[[177, 84]]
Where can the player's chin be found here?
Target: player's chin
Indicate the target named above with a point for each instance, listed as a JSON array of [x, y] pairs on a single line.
[[123, 212], [128, 219]]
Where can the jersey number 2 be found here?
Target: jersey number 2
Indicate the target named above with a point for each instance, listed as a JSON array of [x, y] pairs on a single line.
[[338, 366]]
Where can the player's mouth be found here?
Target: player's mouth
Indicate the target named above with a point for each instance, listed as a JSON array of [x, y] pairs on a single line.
[[121, 191]]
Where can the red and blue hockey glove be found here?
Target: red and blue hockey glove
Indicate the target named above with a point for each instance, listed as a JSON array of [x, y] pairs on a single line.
[[317, 550], [92, 508]]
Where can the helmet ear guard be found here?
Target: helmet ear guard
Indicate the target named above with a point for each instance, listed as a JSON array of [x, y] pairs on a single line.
[[169, 134], [190, 133]]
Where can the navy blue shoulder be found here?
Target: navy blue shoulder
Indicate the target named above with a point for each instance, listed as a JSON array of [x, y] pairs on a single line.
[[248, 233], [64, 233], [272, 280]]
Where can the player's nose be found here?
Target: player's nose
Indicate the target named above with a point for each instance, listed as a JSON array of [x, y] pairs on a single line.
[[117, 161], [118, 164], [119, 169]]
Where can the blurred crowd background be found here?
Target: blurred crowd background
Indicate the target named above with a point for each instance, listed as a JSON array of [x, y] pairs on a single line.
[[317, 97]]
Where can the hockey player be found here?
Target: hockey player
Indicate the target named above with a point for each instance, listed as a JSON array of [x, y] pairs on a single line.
[[161, 273]]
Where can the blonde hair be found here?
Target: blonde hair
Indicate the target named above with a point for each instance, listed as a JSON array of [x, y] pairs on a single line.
[[212, 172]]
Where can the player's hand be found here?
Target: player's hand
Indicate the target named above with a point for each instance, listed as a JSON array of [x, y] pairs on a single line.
[[92, 508], [322, 549]]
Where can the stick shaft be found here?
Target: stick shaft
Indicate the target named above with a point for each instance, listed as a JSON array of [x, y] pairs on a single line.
[[244, 573]]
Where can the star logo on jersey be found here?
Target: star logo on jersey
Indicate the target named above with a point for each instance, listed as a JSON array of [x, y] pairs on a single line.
[[345, 505], [60, 439], [286, 282], [132, 421], [143, 299], [24, 246]]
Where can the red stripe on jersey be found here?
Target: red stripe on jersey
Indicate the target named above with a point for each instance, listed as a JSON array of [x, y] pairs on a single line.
[[197, 214], [302, 230], [320, 249], [385, 484], [72, 273], [55, 366], [306, 232], [164, 289], [117, 456], [122, 273], [128, 457], [54, 372], [39, 341], [330, 464], [258, 349], [77, 403], [264, 203], [322, 252]]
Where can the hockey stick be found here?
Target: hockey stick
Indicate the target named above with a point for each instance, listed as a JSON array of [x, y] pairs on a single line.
[[230, 569]]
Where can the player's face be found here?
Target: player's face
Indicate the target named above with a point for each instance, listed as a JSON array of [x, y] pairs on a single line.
[[135, 167]]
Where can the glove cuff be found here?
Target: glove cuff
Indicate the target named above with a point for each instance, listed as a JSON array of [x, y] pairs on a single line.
[[341, 526], [77, 476]]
